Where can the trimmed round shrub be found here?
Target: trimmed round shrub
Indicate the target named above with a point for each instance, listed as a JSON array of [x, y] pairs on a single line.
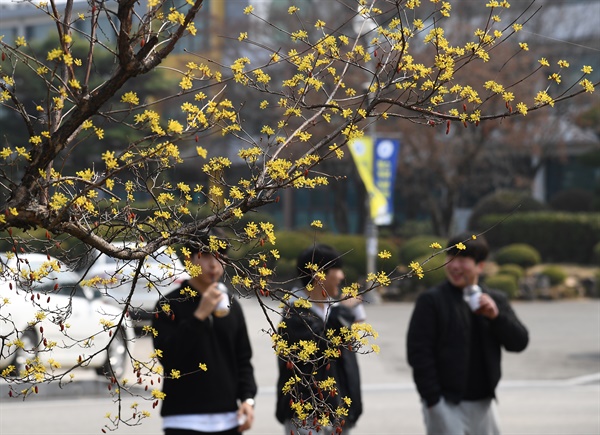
[[555, 274], [503, 202], [518, 253], [504, 282], [512, 270], [419, 246], [434, 270]]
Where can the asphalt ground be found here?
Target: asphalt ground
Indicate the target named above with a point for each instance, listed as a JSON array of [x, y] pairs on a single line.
[[553, 387]]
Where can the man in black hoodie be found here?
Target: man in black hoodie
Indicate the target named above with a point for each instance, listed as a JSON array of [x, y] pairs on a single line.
[[209, 383], [306, 323], [454, 343]]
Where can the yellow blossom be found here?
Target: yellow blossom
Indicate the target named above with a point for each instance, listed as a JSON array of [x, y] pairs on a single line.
[[175, 127], [542, 98], [587, 85], [417, 269], [522, 108], [130, 98], [202, 152], [74, 83], [36, 140], [157, 394]]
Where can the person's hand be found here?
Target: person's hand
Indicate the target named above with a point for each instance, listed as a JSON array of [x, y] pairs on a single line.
[[210, 298], [245, 416], [487, 307]]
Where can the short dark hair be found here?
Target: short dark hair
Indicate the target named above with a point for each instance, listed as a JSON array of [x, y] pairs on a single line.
[[200, 243], [477, 249], [323, 256]]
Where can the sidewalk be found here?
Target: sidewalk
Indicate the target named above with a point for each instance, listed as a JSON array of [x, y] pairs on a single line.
[[551, 388]]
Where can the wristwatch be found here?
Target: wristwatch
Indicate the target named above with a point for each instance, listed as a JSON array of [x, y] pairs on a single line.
[[250, 401]]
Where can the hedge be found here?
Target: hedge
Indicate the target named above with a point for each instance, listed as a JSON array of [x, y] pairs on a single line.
[[352, 248], [503, 201], [559, 237], [419, 246]]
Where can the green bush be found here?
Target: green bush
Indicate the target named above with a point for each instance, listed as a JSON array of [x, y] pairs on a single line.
[[418, 246], [555, 274], [353, 249], [558, 237], [597, 253], [502, 202], [434, 270], [505, 282], [512, 270], [518, 253]]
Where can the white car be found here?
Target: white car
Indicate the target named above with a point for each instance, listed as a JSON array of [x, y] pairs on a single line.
[[54, 318], [161, 273]]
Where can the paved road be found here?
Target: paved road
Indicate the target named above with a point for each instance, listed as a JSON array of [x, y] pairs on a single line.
[[551, 388]]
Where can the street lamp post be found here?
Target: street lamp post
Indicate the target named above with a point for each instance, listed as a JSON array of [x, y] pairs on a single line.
[[363, 24]]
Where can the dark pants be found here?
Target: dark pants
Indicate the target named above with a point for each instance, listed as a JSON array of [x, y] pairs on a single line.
[[233, 431]]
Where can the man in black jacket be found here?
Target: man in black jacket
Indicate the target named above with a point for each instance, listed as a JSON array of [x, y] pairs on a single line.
[[304, 324], [454, 344], [209, 383]]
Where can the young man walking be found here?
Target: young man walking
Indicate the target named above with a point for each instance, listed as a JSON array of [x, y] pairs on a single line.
[[310, 324], [454, 343], [209, 381]]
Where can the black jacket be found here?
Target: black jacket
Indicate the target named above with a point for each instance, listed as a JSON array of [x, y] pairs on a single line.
[[219, 342], [303, 324], [439, 338]]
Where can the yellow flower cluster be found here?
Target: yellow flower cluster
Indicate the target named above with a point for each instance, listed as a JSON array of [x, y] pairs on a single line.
[[380, 278], [251, 155], [417, 269], [278, 169]]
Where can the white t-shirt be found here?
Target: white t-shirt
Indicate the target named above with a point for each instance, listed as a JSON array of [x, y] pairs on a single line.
[[202, 422]]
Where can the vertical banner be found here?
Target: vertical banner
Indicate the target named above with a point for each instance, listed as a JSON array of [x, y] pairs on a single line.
[[384, 175], [362, 153]]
